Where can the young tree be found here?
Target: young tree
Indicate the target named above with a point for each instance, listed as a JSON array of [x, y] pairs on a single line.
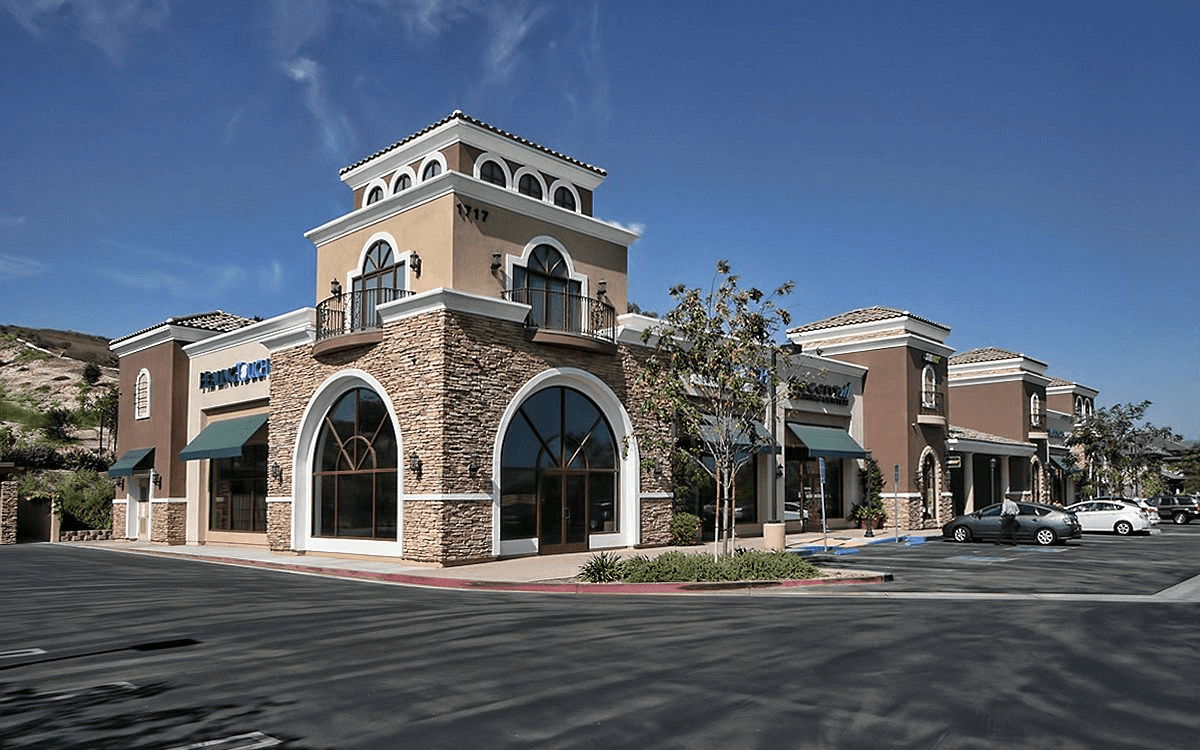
[[713, 369], [1118, 448]]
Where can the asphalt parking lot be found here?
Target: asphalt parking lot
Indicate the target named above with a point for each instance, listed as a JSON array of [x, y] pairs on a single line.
[[1101, 564]]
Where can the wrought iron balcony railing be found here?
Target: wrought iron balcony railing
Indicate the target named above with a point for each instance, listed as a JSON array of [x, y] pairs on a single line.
[[568, 313], [933, 403], [352, 312]]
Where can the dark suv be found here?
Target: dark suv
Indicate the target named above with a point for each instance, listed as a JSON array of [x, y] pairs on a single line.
[[1177, 508]]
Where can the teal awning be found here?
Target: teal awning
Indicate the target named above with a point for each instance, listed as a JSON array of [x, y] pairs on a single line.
[[134, 460], [830, 442], [223, 439], [1058, 463]]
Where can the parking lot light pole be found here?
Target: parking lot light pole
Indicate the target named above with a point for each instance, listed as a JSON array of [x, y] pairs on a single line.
[[896, 498]]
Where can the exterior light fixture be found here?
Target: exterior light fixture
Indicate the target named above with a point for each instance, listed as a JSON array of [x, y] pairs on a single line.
[[602, 288], [415, 463], [335, 288], [276, 471], [119, 483], [414, 262], [156, 478], [779, 470], [495, 262], [474, 466]]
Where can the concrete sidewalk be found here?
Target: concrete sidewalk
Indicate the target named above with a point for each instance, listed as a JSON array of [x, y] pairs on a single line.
[[550, 573]]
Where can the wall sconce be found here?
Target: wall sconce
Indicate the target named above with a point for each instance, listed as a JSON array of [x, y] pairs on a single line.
[[276, 471], [602, 288], [414, 262], [415, 463], [778, 470], [495, 262], [119, 483], [474, 466], [335, 288], [156, 478]]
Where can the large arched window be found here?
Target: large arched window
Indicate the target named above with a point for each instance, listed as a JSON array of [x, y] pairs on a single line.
[[380, 280], [544, 283], [355, 479], [558, 476], [141, 395]]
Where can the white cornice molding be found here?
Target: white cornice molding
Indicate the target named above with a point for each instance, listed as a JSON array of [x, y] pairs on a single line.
[[460, 131], [457, 183], [1074, 389], [453, 300], [909, 340], [281, 328], [631, 326], [906, 323], [160, 335], [958, 380]]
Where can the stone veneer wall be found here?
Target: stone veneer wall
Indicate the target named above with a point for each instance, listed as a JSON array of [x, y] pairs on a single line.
[[8, 512], [656, 522], [450, 376], [119, 511], [279, 526], [168, 523]]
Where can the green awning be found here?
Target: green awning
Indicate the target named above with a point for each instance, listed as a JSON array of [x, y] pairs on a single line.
[[223, 439], [830, 442], [1057, 462], [134, 460]]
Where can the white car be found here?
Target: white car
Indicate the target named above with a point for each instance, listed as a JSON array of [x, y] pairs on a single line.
[[1110, 515]]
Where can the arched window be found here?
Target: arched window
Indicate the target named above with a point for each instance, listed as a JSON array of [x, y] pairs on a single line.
[[354, 476], [929, 387], [929, 480], [403, 182], [558, 476], [380, 280], [375, 195], [529, 185], [1035, 410], [564, 198], [491, 172], [432, 169], [545, 285], [141, 395]]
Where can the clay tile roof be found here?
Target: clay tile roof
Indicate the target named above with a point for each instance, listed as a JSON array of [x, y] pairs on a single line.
[[1058, 382], [986, 354], [862, 315], [458, 115], [215, 321]]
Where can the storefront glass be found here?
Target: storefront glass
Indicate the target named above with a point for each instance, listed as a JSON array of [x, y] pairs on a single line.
[[238, 491], [355, 477]]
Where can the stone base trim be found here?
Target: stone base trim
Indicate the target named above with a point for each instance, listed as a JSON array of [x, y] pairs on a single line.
[[8, 512], [90, 535]]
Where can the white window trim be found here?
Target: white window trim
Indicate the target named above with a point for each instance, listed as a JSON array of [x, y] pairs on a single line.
[[491, 156], [383, 189], [401, 258], [412, 179], [305, 454], [554, 189], [1035, 403], [516, 183], [436, 156], [512, 261], [138, 411]]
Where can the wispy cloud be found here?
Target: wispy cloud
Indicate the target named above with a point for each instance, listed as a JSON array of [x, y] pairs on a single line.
[[231, 126], [510, 26], [109, 24], [336, 133], [176, 274], [12, 267]]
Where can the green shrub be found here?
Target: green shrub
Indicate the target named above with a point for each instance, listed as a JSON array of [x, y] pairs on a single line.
[[683, 528], [751, 565], [84, 497], [602, 567]]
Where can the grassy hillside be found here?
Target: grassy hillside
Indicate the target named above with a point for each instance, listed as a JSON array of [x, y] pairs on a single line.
[[80, 346]]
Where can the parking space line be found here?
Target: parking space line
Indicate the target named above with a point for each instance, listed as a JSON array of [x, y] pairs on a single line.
[[21, 652], [249, 741]]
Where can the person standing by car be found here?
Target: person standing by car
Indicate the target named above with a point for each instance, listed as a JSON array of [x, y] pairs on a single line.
[[1009, 511]]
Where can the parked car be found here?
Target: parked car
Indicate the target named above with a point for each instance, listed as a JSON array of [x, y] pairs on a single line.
[[1110, 515], [1039, 523], [1177, 508], [1142, 503]]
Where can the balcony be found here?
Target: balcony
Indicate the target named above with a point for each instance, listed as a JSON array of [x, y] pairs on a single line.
[[933, 408], [566, 318], [1037, 424], [349, 319]]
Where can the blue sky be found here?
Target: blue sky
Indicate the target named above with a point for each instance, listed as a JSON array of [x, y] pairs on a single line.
[[1025, 172]]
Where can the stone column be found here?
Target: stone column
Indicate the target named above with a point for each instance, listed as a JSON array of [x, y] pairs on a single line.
[[8, 512]]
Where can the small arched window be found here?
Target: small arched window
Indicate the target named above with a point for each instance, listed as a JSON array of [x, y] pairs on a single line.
[[1035, 410], [403, 182], [375, 195], [530, 186], [141, 395], [928, 387], [491, 172], [432, 169], [563, 198]]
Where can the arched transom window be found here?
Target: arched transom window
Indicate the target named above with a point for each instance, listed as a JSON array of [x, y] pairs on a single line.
[[354, 476], [558, 477]]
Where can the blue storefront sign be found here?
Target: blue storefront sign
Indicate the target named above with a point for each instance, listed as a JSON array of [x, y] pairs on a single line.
[[239, 374]]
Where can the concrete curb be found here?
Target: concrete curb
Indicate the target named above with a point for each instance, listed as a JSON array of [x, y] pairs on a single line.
[[573, 587]]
